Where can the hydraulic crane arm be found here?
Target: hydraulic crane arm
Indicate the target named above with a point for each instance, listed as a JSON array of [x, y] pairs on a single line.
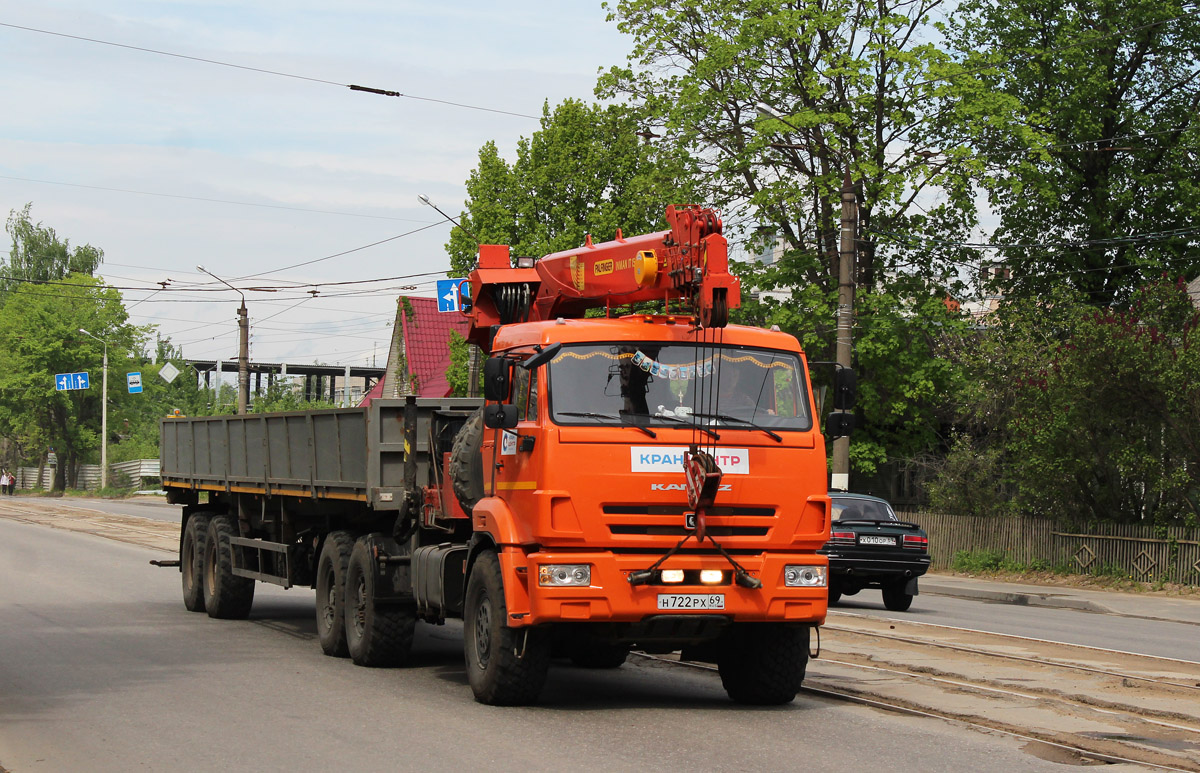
[[687, 263]]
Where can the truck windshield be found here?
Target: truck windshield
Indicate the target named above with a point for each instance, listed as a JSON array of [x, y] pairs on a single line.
[[666, 383]]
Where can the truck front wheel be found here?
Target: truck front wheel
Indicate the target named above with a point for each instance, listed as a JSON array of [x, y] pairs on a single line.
[[226, 596], [191, 561], [331, 593], [763, 663], [377, 635], [505, 666]]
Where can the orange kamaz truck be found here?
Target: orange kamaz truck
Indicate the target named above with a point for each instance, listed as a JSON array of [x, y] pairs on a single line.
[[641, 475]]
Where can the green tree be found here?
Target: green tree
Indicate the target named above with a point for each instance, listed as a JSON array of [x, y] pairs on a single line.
[[39, 337], [38, 255], [585, 171], [459, 370], [1092, 164], [778, 101], [1094, 412]]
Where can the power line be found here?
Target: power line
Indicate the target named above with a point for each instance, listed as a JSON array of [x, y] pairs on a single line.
[[339, 254], [211, 201], [367, 89]]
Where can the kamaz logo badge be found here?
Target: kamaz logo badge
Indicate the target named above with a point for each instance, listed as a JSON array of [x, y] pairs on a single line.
[[682, 487]]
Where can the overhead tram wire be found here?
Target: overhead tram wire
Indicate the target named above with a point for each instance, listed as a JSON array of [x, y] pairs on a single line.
[[264, 71], [211, 201]]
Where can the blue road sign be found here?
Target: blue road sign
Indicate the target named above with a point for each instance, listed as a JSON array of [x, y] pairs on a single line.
[[447, 291], [64, 381], [134, 380]]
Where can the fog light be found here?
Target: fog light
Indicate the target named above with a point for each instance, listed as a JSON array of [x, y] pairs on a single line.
[[672, 575], [711, 576], [804, 576], [558, 575]]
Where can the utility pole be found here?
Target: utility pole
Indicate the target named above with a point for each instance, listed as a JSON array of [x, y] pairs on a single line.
[[840, 470], [243, 358], [243, 344]]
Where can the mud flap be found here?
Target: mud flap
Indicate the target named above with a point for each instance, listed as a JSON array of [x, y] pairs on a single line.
[[910, 587]]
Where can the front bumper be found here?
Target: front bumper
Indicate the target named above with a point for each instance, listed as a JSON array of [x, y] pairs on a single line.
[[611, 598]]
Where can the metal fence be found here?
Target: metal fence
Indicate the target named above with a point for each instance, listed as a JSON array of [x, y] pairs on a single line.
[[137, 474], [1170, 554]]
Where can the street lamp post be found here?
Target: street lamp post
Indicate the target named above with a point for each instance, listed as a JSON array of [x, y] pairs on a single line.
[[103, 413], [243, 344]]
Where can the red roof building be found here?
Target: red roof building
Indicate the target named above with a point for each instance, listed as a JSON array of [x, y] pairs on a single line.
[[420, 350]]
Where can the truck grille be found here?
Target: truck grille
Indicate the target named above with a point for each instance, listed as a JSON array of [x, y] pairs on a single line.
[[667, 520]]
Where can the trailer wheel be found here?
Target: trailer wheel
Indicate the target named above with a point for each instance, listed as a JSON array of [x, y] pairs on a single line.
[[331, 593], [894, 597], [505, 666], [466, 462], [763, 663], [225, 595], [377, 635], [191, 561]]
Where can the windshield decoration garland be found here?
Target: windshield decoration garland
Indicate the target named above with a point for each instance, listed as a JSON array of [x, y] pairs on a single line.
[[702, 369]]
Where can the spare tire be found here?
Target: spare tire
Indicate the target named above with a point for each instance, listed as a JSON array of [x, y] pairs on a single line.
[[466, 462]]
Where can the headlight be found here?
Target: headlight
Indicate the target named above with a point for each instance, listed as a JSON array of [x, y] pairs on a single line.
[[711, 576], [671, 575], [804, 576], [558, 575]]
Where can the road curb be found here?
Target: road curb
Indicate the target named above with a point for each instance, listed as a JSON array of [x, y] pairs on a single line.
[[1018, 599]]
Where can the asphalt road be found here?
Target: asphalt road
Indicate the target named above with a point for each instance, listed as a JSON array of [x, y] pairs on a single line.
[[1127, 634], [102, 669]]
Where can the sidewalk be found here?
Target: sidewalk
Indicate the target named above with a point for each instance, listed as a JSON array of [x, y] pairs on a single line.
[[1183, 610]]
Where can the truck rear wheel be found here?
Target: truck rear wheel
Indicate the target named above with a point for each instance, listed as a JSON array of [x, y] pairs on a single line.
[[466, 462], [331, 593], [505, 666], [191, 561], [763, 663], [225, 595], [377, 635]]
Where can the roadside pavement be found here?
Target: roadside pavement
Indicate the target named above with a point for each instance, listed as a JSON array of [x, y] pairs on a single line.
[[1143, 605]]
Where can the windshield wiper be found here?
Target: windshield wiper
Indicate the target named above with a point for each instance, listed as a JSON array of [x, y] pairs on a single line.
[[592, 415], [727, 418], [711, 433]]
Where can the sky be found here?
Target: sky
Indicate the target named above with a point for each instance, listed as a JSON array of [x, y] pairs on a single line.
[[168, 163]]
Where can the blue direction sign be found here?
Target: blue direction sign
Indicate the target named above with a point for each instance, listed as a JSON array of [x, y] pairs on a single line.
[[447, 291], [71, 381], [135, 382]]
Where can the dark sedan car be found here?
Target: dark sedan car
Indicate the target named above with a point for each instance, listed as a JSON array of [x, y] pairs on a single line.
[[869, 547]]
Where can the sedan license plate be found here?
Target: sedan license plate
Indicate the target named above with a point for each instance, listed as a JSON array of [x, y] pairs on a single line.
[[701, 601], [873, 539]]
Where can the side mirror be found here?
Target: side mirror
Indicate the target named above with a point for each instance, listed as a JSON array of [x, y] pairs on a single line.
[[497, 375], [839, 424], [845, 389], [542, 357], [500, 416]]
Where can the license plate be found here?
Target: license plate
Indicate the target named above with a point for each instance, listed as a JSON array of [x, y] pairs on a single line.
[[871, 539], [691, 601]]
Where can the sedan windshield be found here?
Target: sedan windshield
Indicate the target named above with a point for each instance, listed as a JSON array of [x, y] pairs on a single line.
[[668, 384]]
